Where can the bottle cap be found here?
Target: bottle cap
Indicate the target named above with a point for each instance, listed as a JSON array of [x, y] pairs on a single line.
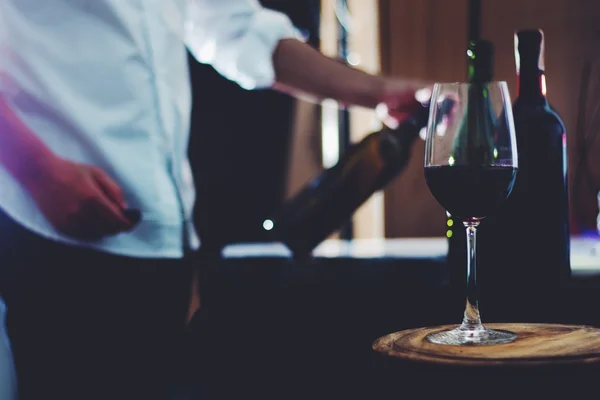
[[529, 48]]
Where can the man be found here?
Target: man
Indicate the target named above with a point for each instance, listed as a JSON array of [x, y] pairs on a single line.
[[94, 110]]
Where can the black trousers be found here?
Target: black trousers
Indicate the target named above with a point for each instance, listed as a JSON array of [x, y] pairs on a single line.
[[89, 325]]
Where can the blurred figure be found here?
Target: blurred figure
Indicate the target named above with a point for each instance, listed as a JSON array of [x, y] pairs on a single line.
[[96, 190]]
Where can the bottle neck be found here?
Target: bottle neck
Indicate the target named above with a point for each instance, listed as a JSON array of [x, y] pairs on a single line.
[[479, 75], [531, 84]]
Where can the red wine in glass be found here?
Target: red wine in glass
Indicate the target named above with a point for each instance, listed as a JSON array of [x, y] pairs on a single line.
[[470, 193]]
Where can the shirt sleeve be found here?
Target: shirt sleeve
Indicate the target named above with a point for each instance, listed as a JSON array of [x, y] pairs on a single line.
[[238, 38]]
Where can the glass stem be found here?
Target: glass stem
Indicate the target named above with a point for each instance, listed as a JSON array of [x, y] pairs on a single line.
[[472, 319]]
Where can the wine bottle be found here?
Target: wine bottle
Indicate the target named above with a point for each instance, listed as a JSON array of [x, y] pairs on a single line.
[[479, 118], [474, 141], [526, 246], [329, 201], [455, 229]]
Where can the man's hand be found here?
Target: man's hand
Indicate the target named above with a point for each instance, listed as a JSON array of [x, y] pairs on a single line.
[[79, 200], [399, 99]]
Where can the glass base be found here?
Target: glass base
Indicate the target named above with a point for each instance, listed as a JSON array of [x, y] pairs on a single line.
[[478, 337]]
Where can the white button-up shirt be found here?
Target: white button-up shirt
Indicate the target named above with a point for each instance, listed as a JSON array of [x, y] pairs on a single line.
[[105, 82]]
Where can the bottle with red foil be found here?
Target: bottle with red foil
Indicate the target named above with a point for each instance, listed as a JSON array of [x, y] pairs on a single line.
[[525, 249]]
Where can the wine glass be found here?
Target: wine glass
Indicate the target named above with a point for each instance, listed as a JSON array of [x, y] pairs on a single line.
[[470, 168]]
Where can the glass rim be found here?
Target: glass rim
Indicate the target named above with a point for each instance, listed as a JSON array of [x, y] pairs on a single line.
[[458, 83]]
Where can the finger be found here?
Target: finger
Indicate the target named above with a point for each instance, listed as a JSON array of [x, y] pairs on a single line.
[[109, 186], [97, 217], [421, 84], [408, 86], [398, 92], [107, 217], [393, 120], [404, 102], [393, 116], [424, 94], [404, 99]]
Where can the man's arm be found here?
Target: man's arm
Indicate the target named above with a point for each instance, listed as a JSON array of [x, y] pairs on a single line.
[[300, 68], [260, 48], [22, 153], [78, 200]]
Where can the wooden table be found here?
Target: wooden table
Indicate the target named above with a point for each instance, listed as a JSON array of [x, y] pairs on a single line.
[[545, 358]]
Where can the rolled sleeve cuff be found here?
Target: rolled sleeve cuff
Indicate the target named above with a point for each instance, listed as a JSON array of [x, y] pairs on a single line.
[[245, 55]]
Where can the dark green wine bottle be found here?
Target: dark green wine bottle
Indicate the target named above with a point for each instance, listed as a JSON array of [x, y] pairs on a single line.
[[327, 202], [471, 146]]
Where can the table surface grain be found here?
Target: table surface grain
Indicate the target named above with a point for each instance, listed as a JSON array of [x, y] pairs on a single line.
[[536, 345]]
